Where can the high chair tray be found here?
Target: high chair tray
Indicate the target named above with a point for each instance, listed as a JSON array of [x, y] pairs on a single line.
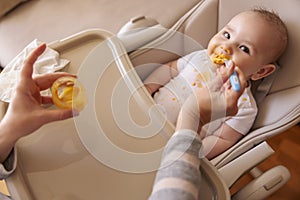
[[113, 148]]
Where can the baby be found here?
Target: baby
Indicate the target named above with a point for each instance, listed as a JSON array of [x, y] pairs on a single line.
[[252, 40]]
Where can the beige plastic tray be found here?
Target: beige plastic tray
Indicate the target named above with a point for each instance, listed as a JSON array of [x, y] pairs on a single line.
[[112, 149]]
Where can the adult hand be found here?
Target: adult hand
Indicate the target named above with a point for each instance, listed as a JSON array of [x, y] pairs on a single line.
[[25, 113]]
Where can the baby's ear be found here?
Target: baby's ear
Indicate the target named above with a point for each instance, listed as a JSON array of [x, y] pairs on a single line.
[[266, 70]]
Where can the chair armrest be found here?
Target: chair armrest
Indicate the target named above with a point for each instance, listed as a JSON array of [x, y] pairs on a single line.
[[232, 171]]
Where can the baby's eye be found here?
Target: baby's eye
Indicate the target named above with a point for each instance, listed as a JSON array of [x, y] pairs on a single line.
[[227, 35], [245, 49]]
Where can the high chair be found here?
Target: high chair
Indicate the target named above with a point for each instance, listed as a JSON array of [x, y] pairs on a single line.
[[111, 151], [281, 88]]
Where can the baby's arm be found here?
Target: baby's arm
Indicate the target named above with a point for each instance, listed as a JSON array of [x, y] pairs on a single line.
[[216, 144], [225, 136], [161, 76]]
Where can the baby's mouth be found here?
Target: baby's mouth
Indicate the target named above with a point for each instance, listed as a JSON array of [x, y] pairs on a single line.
[[221, 55], [220, 58]]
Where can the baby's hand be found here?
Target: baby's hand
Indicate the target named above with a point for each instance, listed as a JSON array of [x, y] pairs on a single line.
[[225, 71], [232, 96], [220, 82]]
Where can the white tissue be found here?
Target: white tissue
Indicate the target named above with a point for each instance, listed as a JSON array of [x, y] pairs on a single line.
[[48, 62]]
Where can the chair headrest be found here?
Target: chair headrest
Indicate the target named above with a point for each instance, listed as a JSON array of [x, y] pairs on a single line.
[[211, 15]]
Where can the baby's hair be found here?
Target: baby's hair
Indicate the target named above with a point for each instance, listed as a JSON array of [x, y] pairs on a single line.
[[273, 18]]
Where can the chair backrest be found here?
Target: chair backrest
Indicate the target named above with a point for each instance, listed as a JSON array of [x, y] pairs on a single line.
[[213, 15], [280, 109], [288, 76]]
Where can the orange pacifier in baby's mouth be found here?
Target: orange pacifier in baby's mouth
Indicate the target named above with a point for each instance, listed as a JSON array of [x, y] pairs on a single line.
[[68, 93]]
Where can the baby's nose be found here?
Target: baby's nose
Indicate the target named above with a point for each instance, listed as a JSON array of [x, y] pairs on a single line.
[[225, 50]]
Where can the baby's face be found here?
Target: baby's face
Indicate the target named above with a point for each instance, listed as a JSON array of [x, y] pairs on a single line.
[[247, 40]]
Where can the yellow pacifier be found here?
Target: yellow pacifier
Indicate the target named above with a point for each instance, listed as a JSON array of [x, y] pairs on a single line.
[[68, 93]]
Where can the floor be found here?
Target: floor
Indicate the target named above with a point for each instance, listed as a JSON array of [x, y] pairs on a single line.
[[287, 148]]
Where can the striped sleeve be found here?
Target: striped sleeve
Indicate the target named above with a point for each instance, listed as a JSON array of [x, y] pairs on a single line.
[[9, 165], [178, 176]]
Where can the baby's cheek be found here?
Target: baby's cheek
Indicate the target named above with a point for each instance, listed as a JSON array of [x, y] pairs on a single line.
[[210, 49]]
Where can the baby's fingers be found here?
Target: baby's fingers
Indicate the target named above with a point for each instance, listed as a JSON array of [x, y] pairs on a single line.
[[232, 96], [226, 70], [242, 78]]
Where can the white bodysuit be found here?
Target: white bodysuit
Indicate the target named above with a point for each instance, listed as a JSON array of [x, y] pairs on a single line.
[[195, 69]]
